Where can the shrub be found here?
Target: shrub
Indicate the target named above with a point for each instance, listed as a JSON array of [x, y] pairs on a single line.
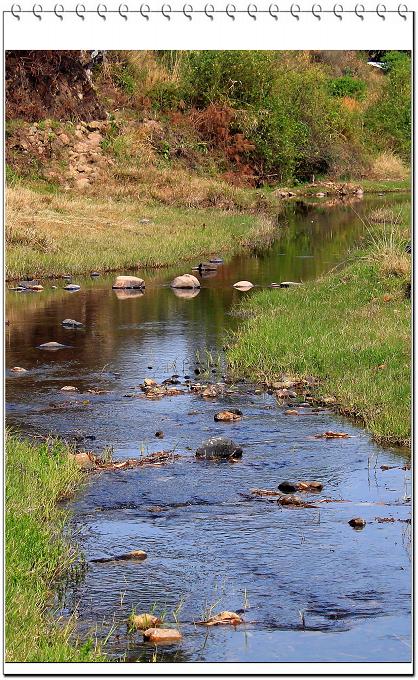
[[235, 77], [389, 118], [347, 86]]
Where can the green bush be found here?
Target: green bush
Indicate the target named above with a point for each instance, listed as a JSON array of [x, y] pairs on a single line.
[[347, 86], [389, 119], [236, 77]]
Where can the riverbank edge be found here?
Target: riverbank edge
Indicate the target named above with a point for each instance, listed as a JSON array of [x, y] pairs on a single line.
[[49, 251], [352, 187], [38, 554], [355, 384]]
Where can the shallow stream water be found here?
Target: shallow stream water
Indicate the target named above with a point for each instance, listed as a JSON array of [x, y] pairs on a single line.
[[311, 588]]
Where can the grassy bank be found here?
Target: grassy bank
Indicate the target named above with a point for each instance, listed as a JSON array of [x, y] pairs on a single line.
[[53, 233], [351, 329], [37, 555], [369, 186]]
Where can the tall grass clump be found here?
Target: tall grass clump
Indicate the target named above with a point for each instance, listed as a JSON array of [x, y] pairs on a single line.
[[38, 555], [351, 329]]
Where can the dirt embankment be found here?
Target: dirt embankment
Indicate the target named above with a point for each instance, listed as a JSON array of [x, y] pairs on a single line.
[[50, 84]]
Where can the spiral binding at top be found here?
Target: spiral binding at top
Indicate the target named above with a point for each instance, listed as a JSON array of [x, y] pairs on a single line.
[[166, 10]]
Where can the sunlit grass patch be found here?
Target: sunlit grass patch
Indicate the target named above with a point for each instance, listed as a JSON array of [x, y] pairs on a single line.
[[352, 329], [37, 554]]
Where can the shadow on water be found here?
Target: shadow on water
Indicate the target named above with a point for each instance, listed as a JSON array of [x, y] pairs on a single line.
[[312, 588]]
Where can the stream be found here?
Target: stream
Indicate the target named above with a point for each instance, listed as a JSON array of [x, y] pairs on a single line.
[[308, 586]]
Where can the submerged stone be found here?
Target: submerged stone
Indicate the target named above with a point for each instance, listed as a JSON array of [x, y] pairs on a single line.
[[219, 448], [72, 287], [222, 619], [357, 523], [228, 416], [291, 487]]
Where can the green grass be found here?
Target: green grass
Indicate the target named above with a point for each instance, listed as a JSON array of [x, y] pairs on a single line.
[[369, 186], [351, 329], [372, 186], [50, 234], [37, 553]]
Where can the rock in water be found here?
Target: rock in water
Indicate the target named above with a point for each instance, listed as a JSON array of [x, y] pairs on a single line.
[[135, 555], [206, 267], [128, 282], [216, 260], [185, 281], [313, 486], [290, 500], [288, 487], [149, 382], [72, 287], [291, 487], [228, 416], [69, 388], [18, 369], [52, 345], [30, 285], [143, 621], [219, 448], [71, 323], [163, 636], [289, 284], [243, 285], [222, 619], [357, 523]]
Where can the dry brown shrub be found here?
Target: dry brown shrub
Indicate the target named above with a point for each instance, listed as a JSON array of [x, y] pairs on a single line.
[[388, 166]]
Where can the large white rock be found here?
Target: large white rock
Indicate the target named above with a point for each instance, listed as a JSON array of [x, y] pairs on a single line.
[[185, 281], [243, 285], [128, 282]]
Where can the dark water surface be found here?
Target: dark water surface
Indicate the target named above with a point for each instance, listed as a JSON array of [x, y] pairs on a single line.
[[312, 588]]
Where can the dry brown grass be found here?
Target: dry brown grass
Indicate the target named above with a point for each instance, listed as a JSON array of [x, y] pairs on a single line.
[[50, 234], [388, 166], [386, 243], [382, 215]]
